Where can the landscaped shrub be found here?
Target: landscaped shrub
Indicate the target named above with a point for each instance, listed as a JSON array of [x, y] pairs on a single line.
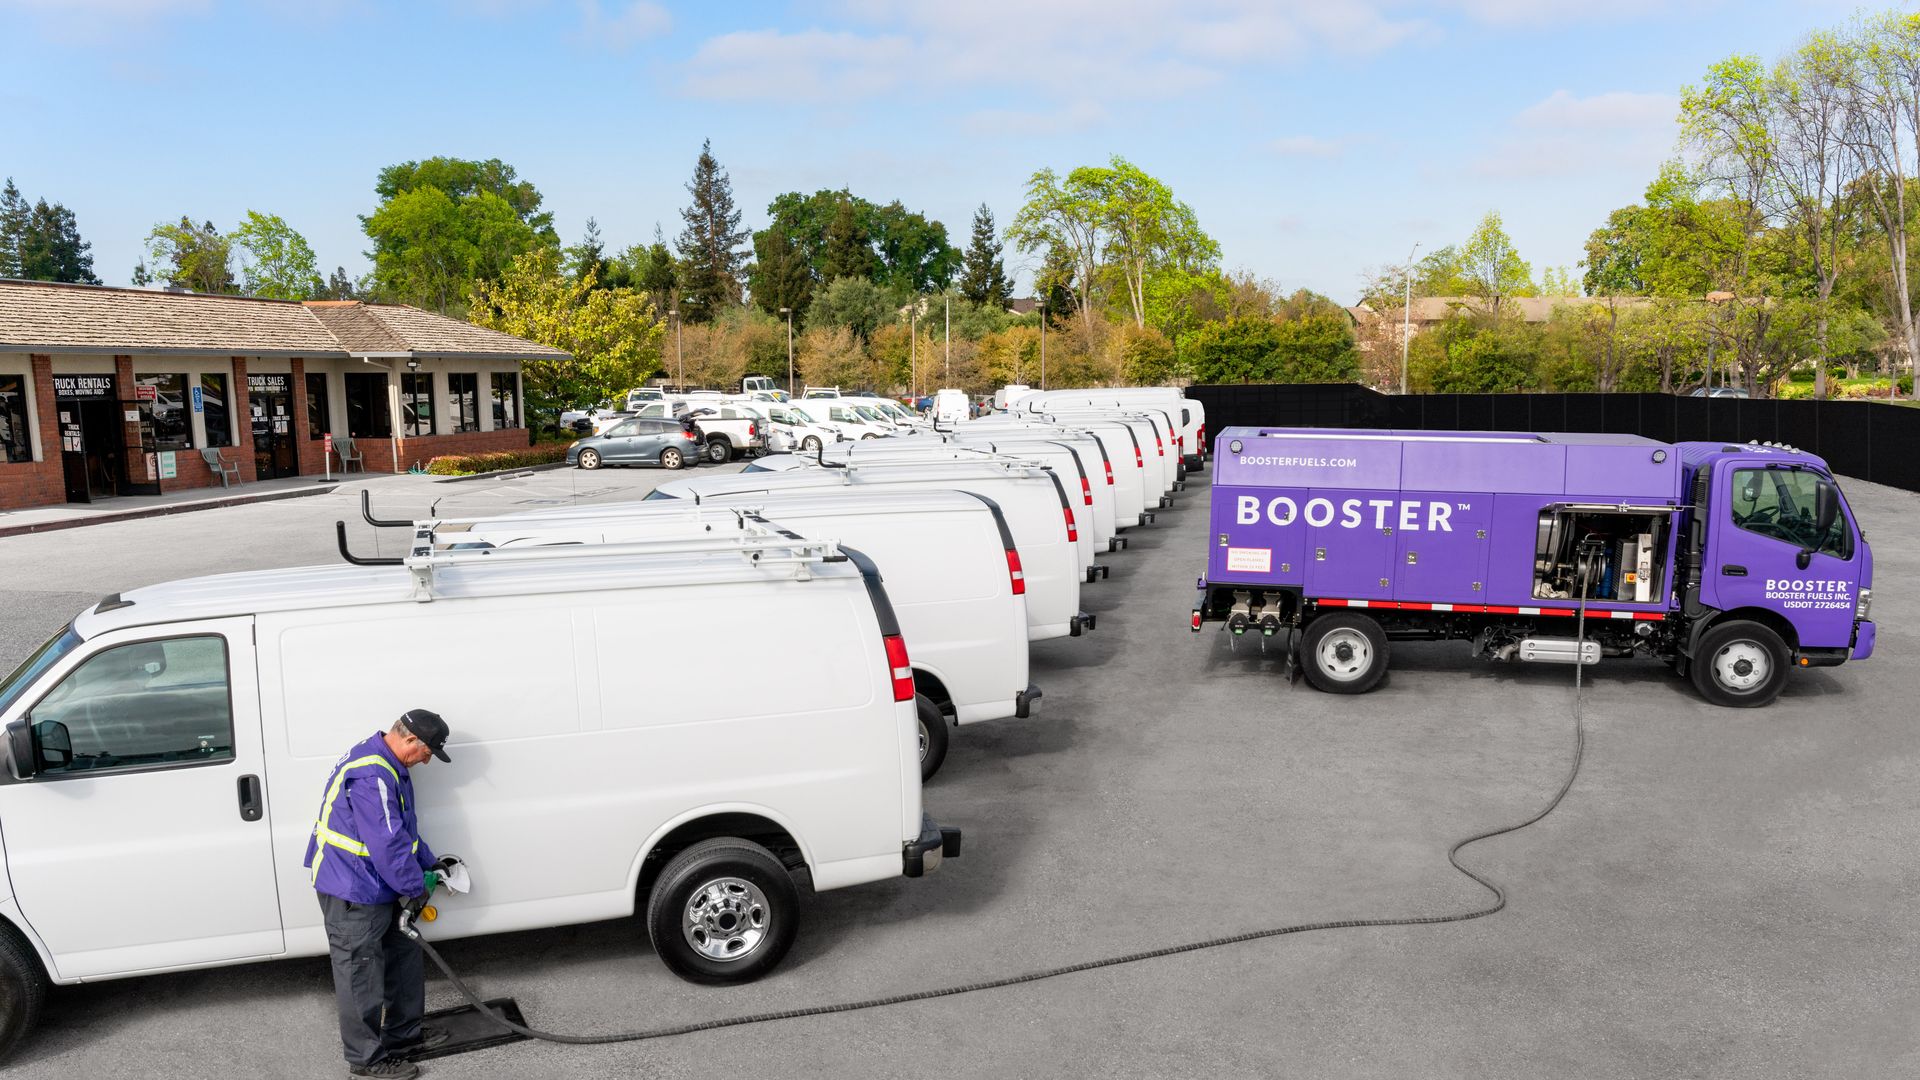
[[468, 464]]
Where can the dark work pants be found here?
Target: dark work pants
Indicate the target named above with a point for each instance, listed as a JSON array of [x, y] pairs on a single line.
[[378, 981]]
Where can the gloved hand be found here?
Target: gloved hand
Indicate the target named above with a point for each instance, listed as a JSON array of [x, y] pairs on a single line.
[[446, 863], [414, 905]]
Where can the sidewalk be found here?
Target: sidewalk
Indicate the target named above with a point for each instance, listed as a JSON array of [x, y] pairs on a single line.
[[130, 507]]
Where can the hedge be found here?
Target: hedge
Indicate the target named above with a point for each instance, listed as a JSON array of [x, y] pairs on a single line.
[[468, 464]]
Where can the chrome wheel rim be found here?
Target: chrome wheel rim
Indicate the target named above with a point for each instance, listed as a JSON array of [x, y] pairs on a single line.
[[923, 740], [1742, 666], [1344, 655], [589, 459], [726, 920]]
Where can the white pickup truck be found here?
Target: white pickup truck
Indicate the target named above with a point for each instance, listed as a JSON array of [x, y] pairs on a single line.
[[731, 429]]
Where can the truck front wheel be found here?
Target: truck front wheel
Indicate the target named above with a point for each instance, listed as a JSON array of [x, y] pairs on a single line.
[[1344, 653], [23, 989], [723, 911], [1740, 664]]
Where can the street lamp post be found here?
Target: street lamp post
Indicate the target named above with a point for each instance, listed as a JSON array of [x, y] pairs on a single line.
[[679, 357], [913, 346], [1406, 318], [949, 340], [788, 312], [1040, 305]]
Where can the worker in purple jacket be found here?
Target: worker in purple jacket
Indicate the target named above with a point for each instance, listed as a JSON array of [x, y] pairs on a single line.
[[368, 862]]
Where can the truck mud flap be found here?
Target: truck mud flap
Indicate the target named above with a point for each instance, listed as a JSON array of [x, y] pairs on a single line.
[[1098, 571], [1082, 623], [1116, 543], [1023, 701]]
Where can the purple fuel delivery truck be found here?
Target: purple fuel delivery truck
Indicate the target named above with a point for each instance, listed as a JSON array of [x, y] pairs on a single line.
[[1731, 563]]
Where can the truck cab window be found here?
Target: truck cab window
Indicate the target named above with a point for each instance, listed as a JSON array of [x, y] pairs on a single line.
[[1780, 503], [139, 705]]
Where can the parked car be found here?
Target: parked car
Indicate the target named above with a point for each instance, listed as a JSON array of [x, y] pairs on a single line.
[[642, 397], [950, 407], [794, 431], [128, 734], [670, 444], [1720, 391], [820, 392]]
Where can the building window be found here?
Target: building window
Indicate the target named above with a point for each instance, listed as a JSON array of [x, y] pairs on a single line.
[[164, 411], [506, 400], [319, 407], [463, 402], [416, 403], [213, 408], [13, 419], [367, 405]]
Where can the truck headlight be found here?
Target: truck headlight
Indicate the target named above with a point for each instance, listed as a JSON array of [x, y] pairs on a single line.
[[1864, 609]]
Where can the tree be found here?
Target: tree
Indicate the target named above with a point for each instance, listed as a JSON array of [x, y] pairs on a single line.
[[1492, 268], [589, 257], [14, 212], [275, 261], [984, 280], [652, 269], [710, 259], [1063, 218], [191, 256], [1883, 127], [339, 287], [846, 248], [51, 248], [1317, 346], [781, 276], [613, 335], [832, 356], [1057, 283], [855, 303], [914, 256], [1146, 227], [445, 224]]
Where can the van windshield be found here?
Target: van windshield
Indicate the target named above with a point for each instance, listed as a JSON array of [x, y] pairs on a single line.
[[43, 658]]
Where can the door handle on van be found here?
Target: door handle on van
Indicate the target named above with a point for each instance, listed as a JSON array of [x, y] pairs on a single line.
[[1733, 570], [250, 809]]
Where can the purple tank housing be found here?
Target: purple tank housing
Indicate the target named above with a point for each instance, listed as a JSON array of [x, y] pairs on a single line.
[[1416, 518]]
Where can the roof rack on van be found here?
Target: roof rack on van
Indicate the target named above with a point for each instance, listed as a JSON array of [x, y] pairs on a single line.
[[757, 541]]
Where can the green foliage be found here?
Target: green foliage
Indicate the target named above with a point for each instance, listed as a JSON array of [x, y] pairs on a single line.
[[1491, 267], [846, 249], [1316, 347], [1146, 356], [493, 461], [588, 258], [855, 304], [41, 241], [781, 276], [652, 270], [1468, 355], [985, 280], [13, 228], [613, 335], [275, 261], [711, 261], [444, 225], [192, 256]]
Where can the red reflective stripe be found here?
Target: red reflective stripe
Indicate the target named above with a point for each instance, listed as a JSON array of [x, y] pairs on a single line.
[[901, 669], [1489, 609]]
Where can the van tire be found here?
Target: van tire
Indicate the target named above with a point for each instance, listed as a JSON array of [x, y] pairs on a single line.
[[1725, 662], [869, 435], [589, 459], [810, 444], [731, 866], [719, 451], [23, 989], [1344, 653], [933, 736], [671, 458]]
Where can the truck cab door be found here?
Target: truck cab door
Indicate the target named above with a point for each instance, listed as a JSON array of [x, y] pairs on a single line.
[[1767, 549], [141, 841]]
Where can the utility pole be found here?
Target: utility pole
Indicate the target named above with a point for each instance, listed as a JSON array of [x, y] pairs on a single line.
[[788, 312], [913, 345], [1041, 307], [949, 374], [679, 357], [1406, 319]]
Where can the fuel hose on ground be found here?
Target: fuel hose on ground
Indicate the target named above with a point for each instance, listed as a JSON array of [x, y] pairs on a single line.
[[1453, 857]]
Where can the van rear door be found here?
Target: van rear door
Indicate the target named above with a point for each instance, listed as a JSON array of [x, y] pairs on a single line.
[[144, 841]]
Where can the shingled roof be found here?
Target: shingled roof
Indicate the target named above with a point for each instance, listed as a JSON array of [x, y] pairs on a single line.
[[43, 317]]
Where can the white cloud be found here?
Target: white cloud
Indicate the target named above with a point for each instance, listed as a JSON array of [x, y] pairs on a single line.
[[1616, 110], [1565, 135], [1307, 146], [1035, 123], [812, 66], [626, 25]]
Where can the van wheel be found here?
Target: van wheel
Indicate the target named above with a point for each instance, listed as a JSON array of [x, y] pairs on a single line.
[[723, 911], [719, 451], [933, 736], [810, 443], [1740, 664], [869, 435], [589, 459], [23, 989], [671, 458], [1344, 653]]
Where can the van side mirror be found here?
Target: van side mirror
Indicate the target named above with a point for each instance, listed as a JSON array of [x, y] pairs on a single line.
[[52, 746], [20, 760]]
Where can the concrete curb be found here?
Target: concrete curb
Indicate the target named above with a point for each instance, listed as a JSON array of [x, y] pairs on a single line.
[[162, 511], [518, 470]]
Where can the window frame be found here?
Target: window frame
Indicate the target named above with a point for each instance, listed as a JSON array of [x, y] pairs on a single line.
[[507, 410], [233, 727], [412, 396], [322, 401], [381, 421], [220, 435], [147, 409], [1848, 547], [19, 449], [463, 401]]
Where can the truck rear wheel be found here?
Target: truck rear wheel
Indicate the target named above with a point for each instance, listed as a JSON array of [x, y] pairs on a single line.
[[1740, 664], [23, 989], [719, 451], [723, 911], [1344, 653], [933, 736]]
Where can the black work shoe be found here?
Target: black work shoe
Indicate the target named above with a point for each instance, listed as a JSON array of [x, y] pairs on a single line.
[[430, 1037], [390, 1069]]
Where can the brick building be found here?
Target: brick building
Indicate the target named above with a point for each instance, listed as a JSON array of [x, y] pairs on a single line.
[[109, 391]]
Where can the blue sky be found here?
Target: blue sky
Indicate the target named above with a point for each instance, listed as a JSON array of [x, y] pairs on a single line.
[[1313, 139]]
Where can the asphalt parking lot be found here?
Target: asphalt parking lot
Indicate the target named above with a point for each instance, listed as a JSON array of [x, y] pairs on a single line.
[[1724, 893]]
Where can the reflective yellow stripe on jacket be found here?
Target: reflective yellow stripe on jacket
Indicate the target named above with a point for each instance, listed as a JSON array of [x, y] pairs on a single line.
[[323, 829]]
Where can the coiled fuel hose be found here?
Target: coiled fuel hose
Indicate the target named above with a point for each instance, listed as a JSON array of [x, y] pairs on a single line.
[[1453, 856]]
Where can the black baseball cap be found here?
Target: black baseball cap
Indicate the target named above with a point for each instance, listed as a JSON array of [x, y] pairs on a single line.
[[427, 726]]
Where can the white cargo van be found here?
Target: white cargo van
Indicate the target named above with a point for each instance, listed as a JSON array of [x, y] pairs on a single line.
[[950, 407], [167, 750], [1096, 484], [1031, 498], [1151, 434], [1189, 414], [1124, 460], [965, 626]]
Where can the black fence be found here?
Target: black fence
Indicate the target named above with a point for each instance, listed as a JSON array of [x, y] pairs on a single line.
[[1876, 442]]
